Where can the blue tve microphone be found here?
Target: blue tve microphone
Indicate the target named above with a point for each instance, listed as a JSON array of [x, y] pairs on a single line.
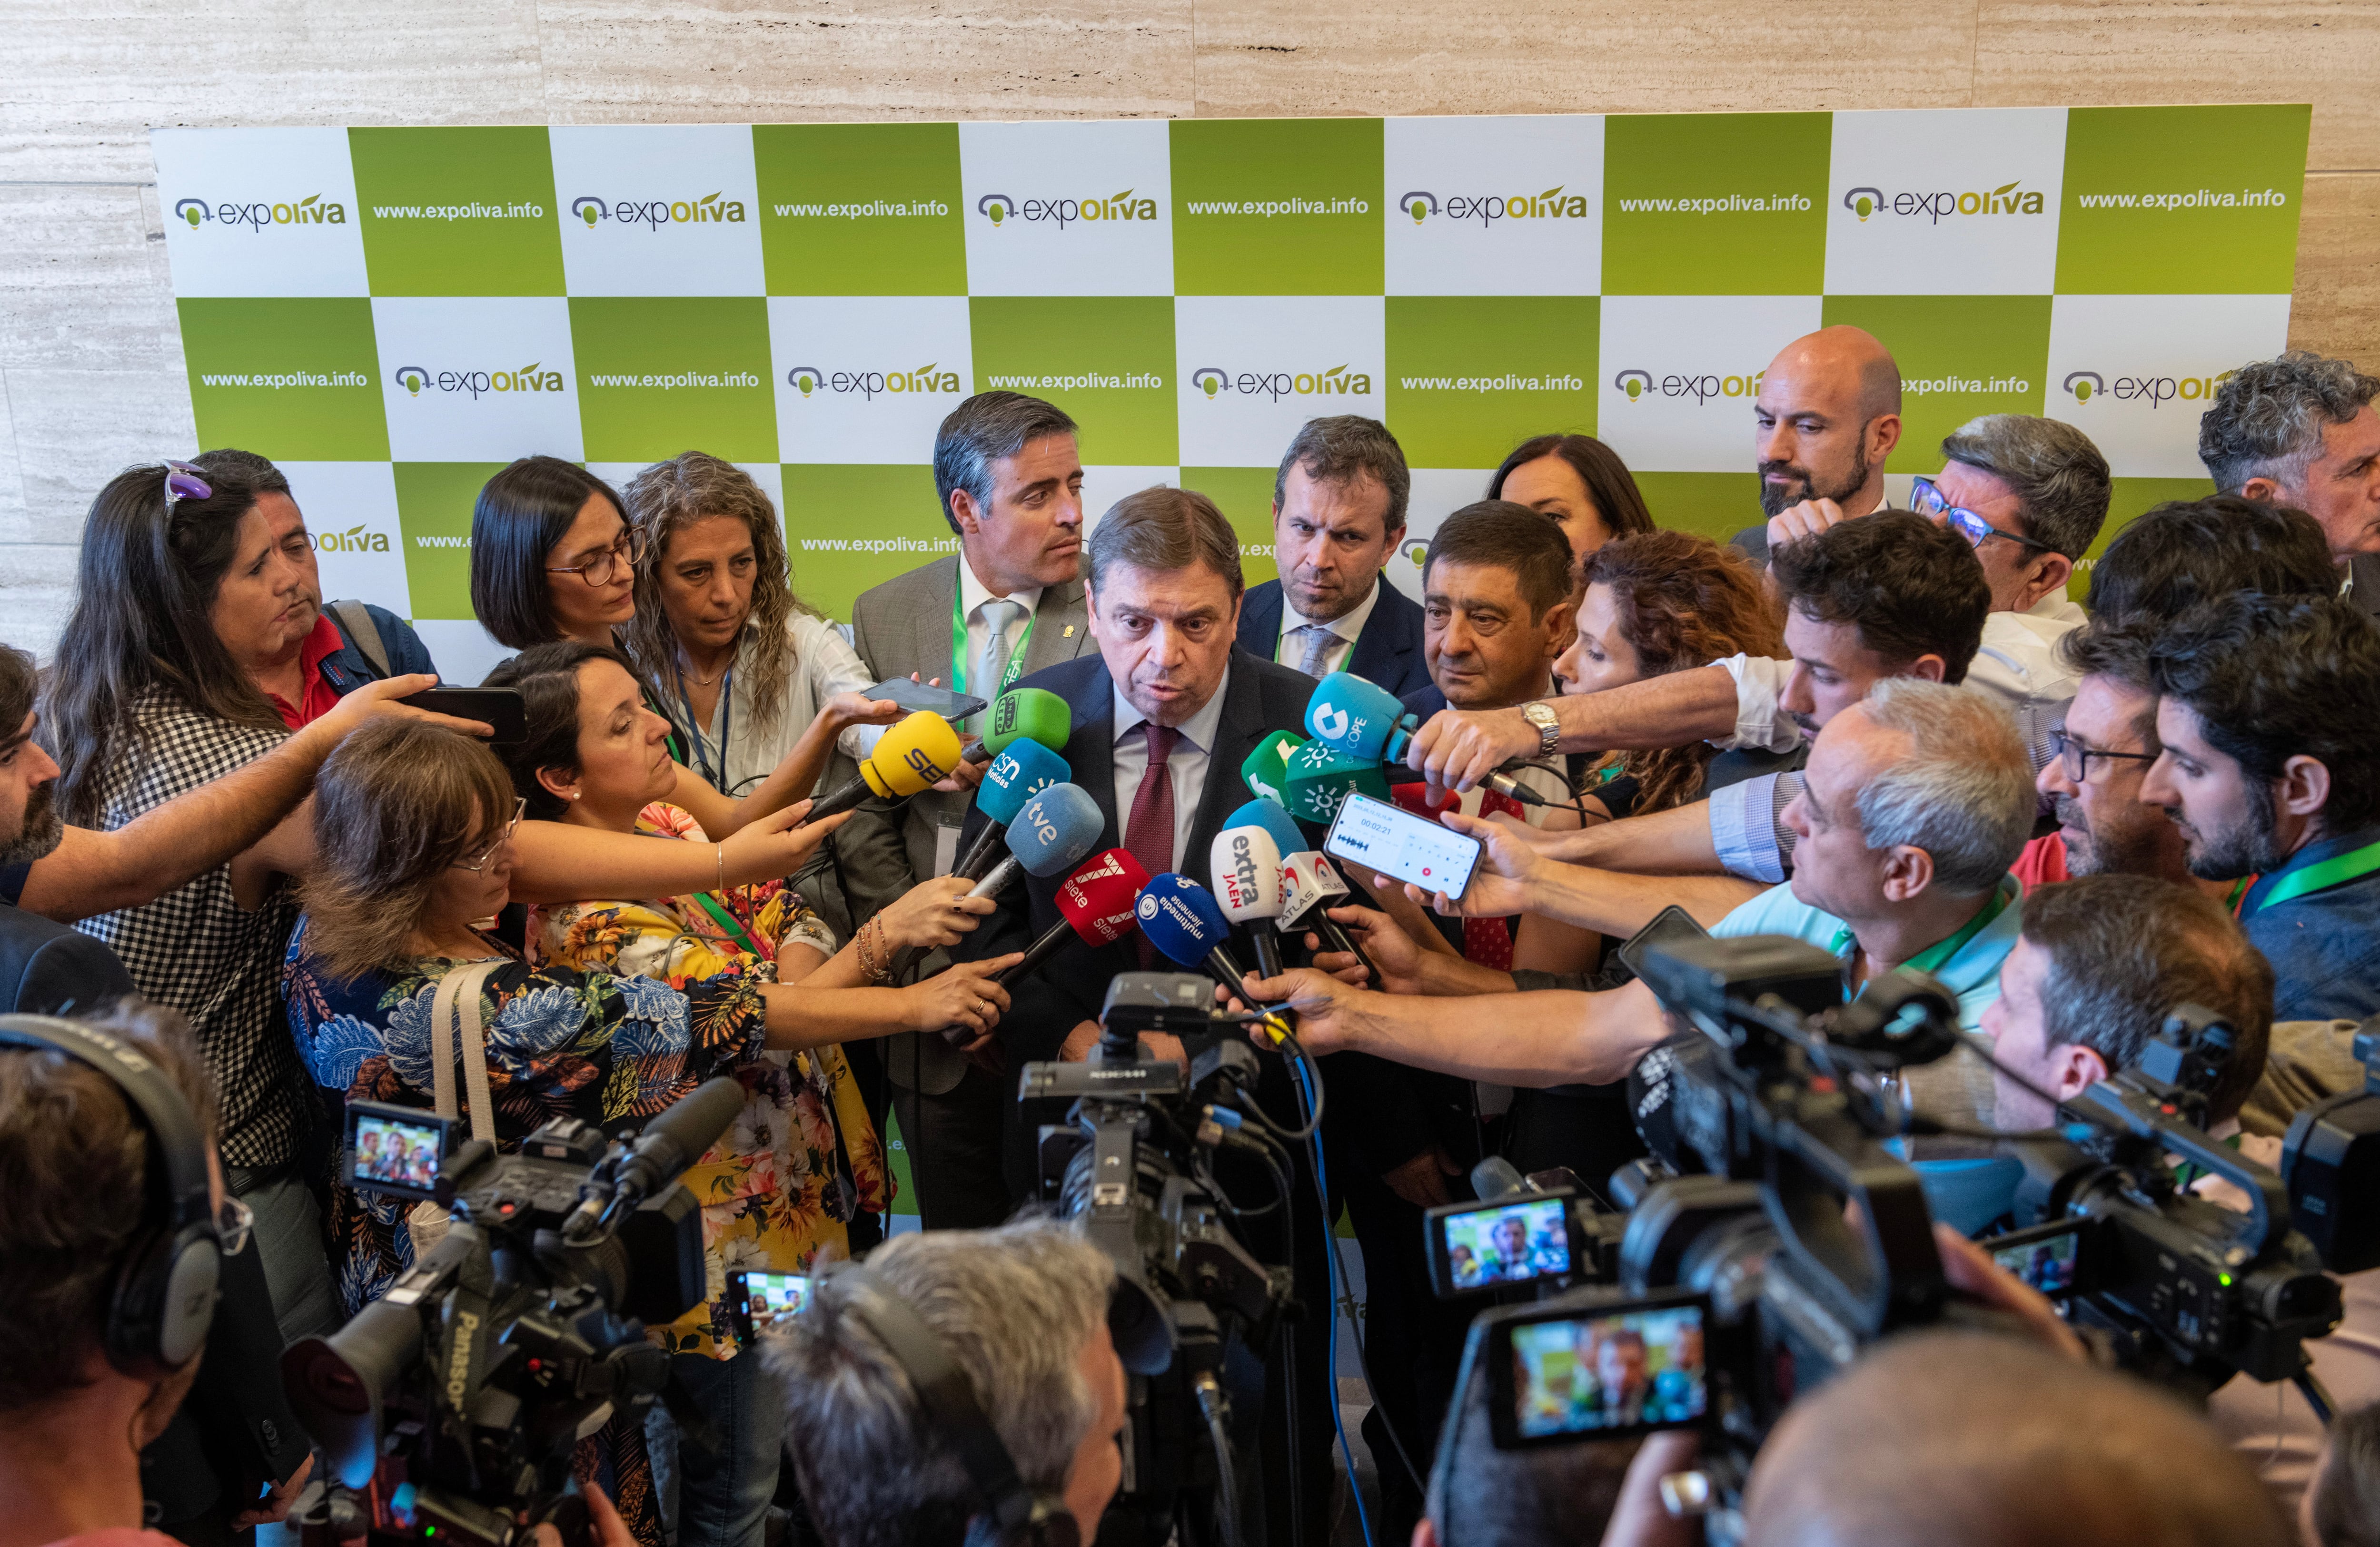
[[1186, 925], [1362, 719], [1051, 834], [1018, 774]]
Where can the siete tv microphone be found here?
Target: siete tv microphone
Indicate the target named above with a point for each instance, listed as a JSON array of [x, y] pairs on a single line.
[[919, 752], [1095, 906], [1050, 835], [1361, 718], [1245, 861], [1320, 778], [1029, 714], [1182, 920], [1022, 770]]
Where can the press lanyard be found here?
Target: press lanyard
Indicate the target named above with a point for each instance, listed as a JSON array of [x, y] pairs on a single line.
[[2323, 874], [1933, 956], [959, 650], [727, 920], [694, 725]]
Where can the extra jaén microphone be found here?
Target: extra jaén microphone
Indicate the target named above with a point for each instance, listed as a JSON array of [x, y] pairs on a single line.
[[1245, 863], [1050, 835], [1022, 770], [669, 1145], [1185, 923], [1029, 714], [1095, 906], [914, 755]]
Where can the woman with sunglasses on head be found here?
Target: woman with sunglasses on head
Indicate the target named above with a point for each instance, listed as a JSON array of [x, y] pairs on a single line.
[[780, 1187]]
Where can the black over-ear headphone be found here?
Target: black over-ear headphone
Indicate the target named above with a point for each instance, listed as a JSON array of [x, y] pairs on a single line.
[[164, 1295], [1015, 1515]]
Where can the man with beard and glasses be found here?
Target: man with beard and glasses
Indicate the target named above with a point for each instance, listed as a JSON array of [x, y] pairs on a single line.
[[1827, 414], [45, 968], [2269, 716]]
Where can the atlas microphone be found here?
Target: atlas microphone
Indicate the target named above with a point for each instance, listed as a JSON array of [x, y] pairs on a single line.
[[1028, 714], [1185, 923], [1245, 863], [1310, 887], [1095, 906], [669, 1145], [1051, 833], [1022, 770], [919, 752]]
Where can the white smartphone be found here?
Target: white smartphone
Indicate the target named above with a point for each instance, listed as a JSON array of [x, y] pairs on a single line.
[[1395, 842]]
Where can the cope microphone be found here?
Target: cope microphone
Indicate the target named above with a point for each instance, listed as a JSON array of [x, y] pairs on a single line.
[[1182, 920], [1361, 718], [669, 1145], [1050, 835], [1266, 767], [1095, 906], [1028, 714], [1245, 861], [1022, 770], [1320, 778], [920, 751]]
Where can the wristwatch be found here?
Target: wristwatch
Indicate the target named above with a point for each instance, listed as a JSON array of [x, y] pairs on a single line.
[[1548, 728]]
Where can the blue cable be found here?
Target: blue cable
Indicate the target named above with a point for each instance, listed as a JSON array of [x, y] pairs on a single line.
[[1330, 1272]]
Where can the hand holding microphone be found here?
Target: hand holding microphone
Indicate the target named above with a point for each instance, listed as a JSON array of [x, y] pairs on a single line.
[[1095, 906], [914, 755], [1185, 923], [1310, 887]]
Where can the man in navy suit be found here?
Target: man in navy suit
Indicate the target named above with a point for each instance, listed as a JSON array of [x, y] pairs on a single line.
[[1339, 514]]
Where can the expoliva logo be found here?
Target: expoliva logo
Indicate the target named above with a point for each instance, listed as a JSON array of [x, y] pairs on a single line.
[[355, 539], [2090, 386], [655, 213], [1000, 209], [1638, 385], [313, 210], [531, 378], [1213, 381], [808, 380], [1941, 205], [1489, 208]]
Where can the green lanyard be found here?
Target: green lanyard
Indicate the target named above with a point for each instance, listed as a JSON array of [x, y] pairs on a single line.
[[2323, 874], [959, 650], [1933, 956], [737, 933]]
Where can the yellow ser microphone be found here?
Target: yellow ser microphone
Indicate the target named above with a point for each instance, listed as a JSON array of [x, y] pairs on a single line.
[[919, 752]]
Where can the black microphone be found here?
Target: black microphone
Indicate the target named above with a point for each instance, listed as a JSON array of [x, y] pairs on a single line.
[[669, 1145]]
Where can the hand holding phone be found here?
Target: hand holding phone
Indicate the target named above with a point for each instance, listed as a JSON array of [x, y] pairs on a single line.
[[500, 709], [953, 706], [1385, 838]]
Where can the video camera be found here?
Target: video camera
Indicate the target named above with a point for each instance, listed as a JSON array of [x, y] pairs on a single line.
[[1128, 1150], [465, 1388]]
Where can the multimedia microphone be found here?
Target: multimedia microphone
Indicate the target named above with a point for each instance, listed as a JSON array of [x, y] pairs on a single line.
[[1245, 861], [1029, 714], [669, 1145], [1022, 770], [1361, 718], [1185, 923], [1095, 906], [919, 752], [1050, 835]]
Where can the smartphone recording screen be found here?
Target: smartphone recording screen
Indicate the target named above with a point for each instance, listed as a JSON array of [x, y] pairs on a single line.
[[1398, 843], [392, 1153], [1592, 1374], [2047, 1265], [1508, 1245], [768, 1296]]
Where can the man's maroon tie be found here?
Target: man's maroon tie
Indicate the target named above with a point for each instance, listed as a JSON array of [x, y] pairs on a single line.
[[1148, 831]]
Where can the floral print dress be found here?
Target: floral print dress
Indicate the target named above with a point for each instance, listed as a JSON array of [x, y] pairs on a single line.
[[781, 1185]]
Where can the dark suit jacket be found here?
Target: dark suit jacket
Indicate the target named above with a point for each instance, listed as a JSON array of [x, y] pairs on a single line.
[[1388, 652], [2365, 569], [46, 969]]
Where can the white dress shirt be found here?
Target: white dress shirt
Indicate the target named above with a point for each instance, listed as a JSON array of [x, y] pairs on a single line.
[[1189, 763], [1289, 649]]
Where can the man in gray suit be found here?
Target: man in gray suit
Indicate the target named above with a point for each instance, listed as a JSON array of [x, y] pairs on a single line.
[[1010, 478], [2300, 430]]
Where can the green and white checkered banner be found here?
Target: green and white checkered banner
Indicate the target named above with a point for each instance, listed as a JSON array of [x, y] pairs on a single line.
[[394, 313]]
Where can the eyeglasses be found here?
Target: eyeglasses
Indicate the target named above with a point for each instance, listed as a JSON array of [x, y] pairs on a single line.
[[2076, 757], [1928, 501], [234, 1221], [478, 865], [184, 481], [605, 566]]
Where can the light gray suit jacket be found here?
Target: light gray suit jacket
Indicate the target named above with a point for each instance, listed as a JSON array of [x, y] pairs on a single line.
[[902, 626]]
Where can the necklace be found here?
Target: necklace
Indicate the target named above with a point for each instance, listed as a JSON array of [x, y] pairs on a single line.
[[706, 682]]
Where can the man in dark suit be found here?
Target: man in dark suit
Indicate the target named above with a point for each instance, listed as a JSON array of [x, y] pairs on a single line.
[[1164, 717], [1338, 515], [1011, 483]]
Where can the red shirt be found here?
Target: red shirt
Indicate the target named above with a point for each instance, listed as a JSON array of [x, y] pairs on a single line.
[[116, 1536], [2044, 860], [317, 697]]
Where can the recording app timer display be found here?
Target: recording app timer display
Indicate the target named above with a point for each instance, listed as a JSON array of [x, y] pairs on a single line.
[[1631, 1369], [1381, 837], [1512, 1244]]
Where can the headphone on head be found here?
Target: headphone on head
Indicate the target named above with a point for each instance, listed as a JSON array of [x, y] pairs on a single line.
[[165, 1296], [1015, 1515]]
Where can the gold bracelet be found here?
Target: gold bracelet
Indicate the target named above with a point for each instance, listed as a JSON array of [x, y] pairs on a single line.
[[876, 974]]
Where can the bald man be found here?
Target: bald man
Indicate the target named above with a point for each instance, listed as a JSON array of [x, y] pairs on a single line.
[[1827, 414]]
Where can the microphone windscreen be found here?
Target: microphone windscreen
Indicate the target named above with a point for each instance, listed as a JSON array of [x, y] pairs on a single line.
[[1098, 898], [1307, 881], [1245, 863], [1321, 779], [1269, 814], [920, 751], [1265, 766], [1028, 714], [1356, 717], [1055, 830], [1017, 775], [1180, 918]]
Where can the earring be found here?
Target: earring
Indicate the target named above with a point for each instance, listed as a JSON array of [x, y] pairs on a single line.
[[574, 794]]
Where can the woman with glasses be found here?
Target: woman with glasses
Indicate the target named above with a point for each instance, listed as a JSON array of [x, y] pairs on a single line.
[[413, 832], [778, 1189]]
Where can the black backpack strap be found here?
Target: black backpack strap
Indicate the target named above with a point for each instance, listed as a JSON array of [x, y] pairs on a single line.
[[355, 621]]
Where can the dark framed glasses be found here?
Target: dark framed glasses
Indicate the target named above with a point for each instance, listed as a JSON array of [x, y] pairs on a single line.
[[1930, 502], [2075, 757], [184, 481], [603, 569]]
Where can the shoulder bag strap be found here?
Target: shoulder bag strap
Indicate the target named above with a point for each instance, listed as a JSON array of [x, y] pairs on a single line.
[[363, 633]]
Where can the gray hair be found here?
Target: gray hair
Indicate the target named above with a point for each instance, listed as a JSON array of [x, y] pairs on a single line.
[[2060, 480], [1343, 447], [1013, 1307], [981, 431], [2267, 420], [1160, 530], [261, 472], [1965, 792]]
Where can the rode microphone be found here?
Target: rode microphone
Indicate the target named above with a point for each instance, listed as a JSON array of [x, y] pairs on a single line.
[[1245, 861], [1022, 770], [1268, 765], [1182, 920], [1362, 719], [669, 1145], [919, 752], [1310, 885], [1095, 906], [1028, 714], [1051, 834], [1320, 778]]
